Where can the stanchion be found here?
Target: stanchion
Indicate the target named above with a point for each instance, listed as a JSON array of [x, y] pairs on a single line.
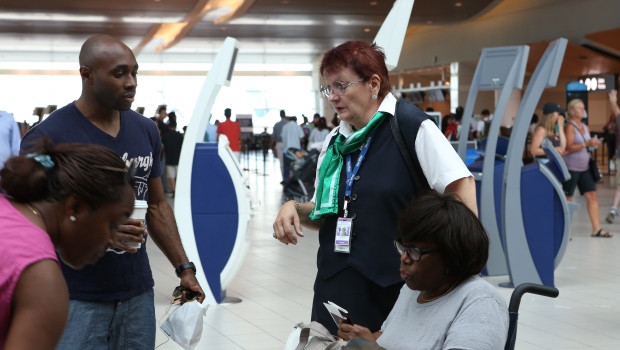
[[265, 162], [245, 157], [265, 143]]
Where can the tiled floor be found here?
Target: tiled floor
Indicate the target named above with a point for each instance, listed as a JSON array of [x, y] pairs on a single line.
[[275, 284]]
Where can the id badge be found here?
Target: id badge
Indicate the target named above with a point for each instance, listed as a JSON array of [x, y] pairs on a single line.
[[342, 242]]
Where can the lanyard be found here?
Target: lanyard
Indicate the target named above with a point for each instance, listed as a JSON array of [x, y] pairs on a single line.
[[351, 172]]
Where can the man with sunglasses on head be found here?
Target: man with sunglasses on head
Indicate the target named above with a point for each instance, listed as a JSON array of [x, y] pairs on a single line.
[[112, 302]]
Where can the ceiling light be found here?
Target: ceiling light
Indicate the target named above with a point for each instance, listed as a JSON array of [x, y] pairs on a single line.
[[458, 4], [429, 22], [152, 20], [273, 22], [373, 3], [56, 17], [222, 28], [355, 22], [285, 2], [367, 30]]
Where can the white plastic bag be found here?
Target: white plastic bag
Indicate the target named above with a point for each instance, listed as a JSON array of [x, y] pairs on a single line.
[[184, 325], [312, 336]]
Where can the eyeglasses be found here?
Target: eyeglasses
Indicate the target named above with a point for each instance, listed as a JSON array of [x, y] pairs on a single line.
[[339, 88], [414, 254]]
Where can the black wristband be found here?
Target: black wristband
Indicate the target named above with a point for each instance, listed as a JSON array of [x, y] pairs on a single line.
[[185, 266]]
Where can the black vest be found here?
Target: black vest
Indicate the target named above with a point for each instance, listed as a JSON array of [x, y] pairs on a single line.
[[382, 191]]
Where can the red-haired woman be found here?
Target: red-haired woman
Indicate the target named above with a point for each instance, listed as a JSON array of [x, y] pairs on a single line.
[[363, 183]]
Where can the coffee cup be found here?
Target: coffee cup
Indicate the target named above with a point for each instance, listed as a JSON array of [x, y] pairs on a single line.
[[139, 213]]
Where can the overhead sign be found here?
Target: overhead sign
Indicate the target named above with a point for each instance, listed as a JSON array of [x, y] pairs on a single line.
[[599, 82], [576, 86]]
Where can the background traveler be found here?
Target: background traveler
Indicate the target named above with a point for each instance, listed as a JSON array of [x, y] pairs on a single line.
[[550, 126], [9, 137], [613, 100], [577, 161], [232, 130]]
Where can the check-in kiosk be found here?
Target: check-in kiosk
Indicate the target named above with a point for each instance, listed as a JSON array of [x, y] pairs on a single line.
[[212, 202], [500, 68], [534, 252], [535, 215]]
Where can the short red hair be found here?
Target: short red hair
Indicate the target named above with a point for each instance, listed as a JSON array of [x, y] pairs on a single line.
[[362, 58]]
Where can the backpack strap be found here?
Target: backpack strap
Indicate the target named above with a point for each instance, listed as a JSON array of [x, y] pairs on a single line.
[[413, 119]]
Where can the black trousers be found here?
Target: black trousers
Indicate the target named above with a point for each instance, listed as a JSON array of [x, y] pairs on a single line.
[[368, 303]]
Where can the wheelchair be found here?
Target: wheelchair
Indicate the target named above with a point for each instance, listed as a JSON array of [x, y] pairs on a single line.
[[513, 311]]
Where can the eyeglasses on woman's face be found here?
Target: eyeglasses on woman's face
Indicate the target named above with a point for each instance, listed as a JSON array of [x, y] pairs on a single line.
[[339, 88], [414, 254]]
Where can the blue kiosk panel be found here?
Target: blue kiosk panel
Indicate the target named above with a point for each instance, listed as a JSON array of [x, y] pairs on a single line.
[[543, 220], [214, 212]]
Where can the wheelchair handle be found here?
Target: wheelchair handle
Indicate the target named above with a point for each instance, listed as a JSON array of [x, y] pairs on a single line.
[[515, 299]]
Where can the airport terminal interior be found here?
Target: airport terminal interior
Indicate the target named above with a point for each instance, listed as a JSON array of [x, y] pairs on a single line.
[[258, 57]]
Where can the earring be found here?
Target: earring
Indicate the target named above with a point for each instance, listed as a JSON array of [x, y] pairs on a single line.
[[72, 218], [374, 97]]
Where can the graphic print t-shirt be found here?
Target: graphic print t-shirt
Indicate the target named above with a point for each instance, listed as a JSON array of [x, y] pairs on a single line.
[[117, 275]]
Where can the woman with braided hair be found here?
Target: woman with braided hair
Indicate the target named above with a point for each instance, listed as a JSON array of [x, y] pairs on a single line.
[[67, 200]]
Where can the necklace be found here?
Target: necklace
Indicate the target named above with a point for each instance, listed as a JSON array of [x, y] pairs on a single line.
[[32, 210], [439, 296], [37, 213]]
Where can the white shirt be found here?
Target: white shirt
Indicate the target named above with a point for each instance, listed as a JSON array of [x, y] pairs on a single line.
[[439, 161], [10, 137]]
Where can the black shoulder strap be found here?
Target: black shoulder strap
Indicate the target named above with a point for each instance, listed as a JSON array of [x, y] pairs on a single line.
[[420, 182]]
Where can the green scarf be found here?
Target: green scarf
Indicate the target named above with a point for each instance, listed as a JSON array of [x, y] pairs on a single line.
[[331, 167]]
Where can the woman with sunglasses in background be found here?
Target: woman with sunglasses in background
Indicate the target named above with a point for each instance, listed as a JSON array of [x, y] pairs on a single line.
[[363, 183], [445, 304], [67, 199]]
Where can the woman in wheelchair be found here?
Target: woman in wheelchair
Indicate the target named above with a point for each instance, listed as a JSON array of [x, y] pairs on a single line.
[[444, 303]]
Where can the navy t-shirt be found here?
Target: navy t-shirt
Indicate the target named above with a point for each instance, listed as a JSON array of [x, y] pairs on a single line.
[[118, 275]]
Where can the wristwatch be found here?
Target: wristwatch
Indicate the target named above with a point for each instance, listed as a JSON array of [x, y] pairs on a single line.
[[183, 267]]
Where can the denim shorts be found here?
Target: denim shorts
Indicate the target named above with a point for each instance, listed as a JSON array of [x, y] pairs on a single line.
[[122, 324]]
